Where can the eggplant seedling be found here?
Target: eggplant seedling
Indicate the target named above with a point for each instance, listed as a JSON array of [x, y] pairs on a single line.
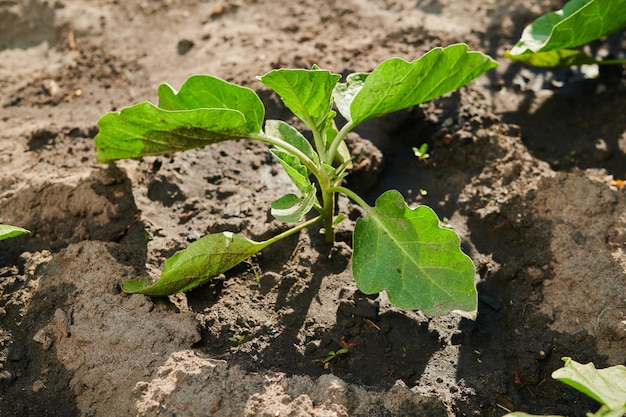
[[550, 41], [396, 249]]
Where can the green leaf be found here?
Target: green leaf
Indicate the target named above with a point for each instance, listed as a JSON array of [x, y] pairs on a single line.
[[520, 414], [206, 110], [307, 93], [291, 209], [344, 93], [404, 252], [201, 261], [7, 231], [551, 59], [281, 130], [298, 173], [607, 386], [396, 84], [145, 129], [205, 91], [578, 23]]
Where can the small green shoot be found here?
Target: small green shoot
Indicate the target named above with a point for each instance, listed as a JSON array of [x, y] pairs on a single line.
[[606, 386], [238, 340], [396, 249], [548, 41], [334, 355], [421, 152], [7, 231]]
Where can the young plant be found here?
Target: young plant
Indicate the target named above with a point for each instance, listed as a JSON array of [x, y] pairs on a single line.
[[7, 231], [395, 248], [547, 42], [606, 386]]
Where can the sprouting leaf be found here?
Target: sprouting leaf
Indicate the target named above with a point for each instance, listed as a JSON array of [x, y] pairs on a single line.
[[298, 173], [205, 91], [396, 84], [404, 251], [344, 93], [578, 23], [281, 130], [201, 261], [291, 209], [607, 386], [197, 116], [307, 93], [7, 231]]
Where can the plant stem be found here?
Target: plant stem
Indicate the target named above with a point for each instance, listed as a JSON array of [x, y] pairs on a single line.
[[281, 144], [338, 139], [291, 231], [328, 211], [350, 194]]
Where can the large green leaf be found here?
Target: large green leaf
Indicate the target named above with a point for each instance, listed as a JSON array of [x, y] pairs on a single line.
[[7, 231], [307, 93], [201, 261], [396, 84], [145, 129], [404, 251], [578, 23], [205, 91], [607, 386], [205, 111]]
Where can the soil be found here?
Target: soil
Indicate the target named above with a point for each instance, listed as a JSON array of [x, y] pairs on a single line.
[[521, 164]]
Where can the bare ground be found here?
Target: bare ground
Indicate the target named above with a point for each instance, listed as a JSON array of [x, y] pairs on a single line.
[[521, 163]]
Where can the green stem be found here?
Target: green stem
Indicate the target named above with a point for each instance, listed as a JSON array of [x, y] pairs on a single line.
[[612, 62], [281, 144], [328, 211], [291, 231], [338, 139], [350, 194]]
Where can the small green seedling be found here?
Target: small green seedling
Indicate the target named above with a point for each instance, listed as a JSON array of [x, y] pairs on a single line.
[[421, 152], [7, 231], [397, 249], [237, 339], [606, 386], [334, 355], [548, 41]]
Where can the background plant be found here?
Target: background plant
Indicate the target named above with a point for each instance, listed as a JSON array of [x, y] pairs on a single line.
[[396, 249], [606, 386], [548, 41]]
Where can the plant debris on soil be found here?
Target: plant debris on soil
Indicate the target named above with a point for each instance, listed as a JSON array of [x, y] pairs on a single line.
[[524, 165]]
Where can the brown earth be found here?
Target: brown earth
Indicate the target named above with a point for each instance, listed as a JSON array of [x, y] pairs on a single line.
[[521, 163]]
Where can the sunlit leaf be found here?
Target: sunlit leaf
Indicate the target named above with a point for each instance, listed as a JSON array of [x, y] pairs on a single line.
[[404, 251], [307, 93], [281, 130], [298, 173], [197, 116], [578, 23], [291, 209], [205, 91], [7, 231], [396, 84], [607, 386], [201, 261]]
